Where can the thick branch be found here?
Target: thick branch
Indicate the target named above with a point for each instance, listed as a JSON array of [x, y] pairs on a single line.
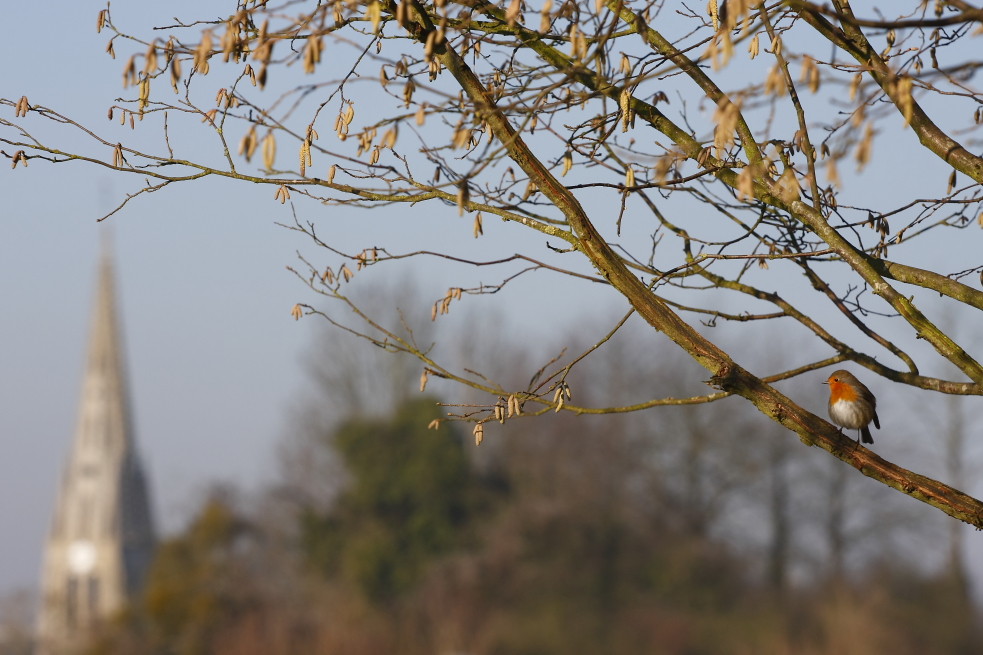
[[930, 280]]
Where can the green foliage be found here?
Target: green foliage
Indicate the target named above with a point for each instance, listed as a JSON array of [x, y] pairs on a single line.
[[409, 499]]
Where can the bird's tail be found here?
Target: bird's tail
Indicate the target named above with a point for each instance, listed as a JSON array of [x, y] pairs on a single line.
[[865, 435]]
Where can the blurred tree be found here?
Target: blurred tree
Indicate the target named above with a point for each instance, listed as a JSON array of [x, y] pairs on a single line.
[[204, 584], [585, 546], [197, 581], [780, 515], [409, 498], [501, 101], [954, 431], [347, 383]]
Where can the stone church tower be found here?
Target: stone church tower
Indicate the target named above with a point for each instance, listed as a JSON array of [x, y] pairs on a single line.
[[102, 534]]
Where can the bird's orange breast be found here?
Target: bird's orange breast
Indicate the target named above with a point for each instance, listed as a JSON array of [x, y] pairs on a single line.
[[841, 391]]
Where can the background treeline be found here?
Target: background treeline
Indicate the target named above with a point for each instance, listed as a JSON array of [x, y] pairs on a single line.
[[694, 529]]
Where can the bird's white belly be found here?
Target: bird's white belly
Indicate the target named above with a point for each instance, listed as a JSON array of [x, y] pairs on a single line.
[[847, 414]]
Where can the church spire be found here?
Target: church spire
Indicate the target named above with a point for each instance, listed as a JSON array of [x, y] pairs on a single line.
[[104, 369], [102, 536]]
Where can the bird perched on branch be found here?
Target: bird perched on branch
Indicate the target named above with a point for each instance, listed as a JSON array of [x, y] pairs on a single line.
[[851, 404]]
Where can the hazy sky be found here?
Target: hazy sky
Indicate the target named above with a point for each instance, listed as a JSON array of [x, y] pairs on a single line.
[[212, 350], [213, 354]]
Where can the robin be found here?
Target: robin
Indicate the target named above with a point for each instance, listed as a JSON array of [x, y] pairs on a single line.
[[851, 404]]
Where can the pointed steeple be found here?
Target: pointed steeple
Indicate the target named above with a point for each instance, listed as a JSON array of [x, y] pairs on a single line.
[[102, 534]]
